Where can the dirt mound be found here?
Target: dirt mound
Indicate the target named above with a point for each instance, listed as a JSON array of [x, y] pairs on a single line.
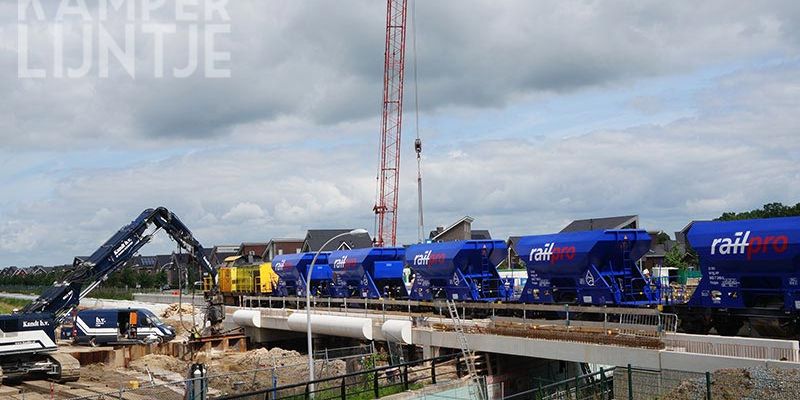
[[160, 362], [175, 309], [274, 357]]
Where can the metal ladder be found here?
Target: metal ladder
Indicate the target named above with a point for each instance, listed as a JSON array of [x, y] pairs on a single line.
[[395, 353], [475, 390]]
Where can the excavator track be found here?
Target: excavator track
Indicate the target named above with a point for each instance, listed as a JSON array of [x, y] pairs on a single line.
[[69, 367]]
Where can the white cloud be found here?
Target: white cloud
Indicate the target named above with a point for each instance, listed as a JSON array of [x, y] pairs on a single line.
[[320, 64], [737, 154], [289, 143], [243, 212], [20, 237]]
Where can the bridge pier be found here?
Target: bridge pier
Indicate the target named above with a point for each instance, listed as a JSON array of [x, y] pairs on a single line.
[[264, 335], [430, 351]]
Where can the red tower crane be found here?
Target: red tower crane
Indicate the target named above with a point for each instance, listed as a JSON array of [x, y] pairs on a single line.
[[391, 123]]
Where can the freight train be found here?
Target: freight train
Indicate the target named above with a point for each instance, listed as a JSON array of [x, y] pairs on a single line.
[[750, 274]]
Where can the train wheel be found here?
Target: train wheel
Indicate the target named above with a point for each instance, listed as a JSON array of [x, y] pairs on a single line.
[[695, 324], [776, 328], [727, 325]]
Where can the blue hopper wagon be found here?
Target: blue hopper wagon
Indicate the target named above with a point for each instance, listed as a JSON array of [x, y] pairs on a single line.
[[590, 268], [292, 270], [369, 273], [750, 271], [459, 270]]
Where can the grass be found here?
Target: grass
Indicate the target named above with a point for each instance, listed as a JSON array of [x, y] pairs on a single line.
[[8, 304]]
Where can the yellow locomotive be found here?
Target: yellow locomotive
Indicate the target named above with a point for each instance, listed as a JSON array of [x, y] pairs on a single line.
[[239, 276]]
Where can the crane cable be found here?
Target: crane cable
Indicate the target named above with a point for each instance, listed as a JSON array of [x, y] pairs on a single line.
[[414, 57], [418, 142]]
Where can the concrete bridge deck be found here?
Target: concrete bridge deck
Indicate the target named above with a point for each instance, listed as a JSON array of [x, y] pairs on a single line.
[[677, 351]]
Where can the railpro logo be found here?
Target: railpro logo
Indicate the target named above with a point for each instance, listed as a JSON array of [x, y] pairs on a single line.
[[429, 258], [343, 263], [279, 266], [744, 243], [549, 252]]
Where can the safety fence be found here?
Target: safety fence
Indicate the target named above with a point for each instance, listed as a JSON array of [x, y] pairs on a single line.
[[761, 350], [329, 363], [611, 320], [345, 352], [640, 384], [371, 383], [595, 386]]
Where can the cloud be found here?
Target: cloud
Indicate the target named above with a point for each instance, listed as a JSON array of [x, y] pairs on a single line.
[[740, 151], [320, 64], [288, 142], [19, 237], [244, 212]]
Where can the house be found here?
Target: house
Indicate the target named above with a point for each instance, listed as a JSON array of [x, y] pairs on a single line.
[[460, 230], [513, 258], [13, 271], [592, 224], [149, 264], [680, 236], [280, 246], [174, 264], [221, 252], [653, 260], [315, 238], [35, 270], [252, 251]]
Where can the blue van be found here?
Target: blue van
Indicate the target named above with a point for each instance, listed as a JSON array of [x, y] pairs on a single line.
[[120, 325]]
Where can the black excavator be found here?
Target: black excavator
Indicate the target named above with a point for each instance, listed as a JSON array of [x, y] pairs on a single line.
[[27, 337]]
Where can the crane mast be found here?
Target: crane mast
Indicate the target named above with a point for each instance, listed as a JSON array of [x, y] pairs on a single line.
[[391, 123]]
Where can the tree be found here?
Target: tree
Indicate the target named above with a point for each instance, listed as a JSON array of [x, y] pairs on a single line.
[[127, 277], [675, 258], [769, 210], [145, 279]]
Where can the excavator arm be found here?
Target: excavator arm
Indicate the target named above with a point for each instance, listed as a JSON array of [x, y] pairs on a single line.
[[90, 272]]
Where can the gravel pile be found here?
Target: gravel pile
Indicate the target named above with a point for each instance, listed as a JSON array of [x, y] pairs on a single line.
[[176, 309], [274, 357], [743, 383]]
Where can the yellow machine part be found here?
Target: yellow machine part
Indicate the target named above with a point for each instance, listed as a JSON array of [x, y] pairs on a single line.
[[234, 282], [244, 281], [225, 280], [268, 278]]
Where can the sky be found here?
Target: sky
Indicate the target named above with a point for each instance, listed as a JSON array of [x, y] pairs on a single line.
[[532, 114]]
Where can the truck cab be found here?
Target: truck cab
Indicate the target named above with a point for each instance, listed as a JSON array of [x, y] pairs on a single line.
[[120, 326]]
